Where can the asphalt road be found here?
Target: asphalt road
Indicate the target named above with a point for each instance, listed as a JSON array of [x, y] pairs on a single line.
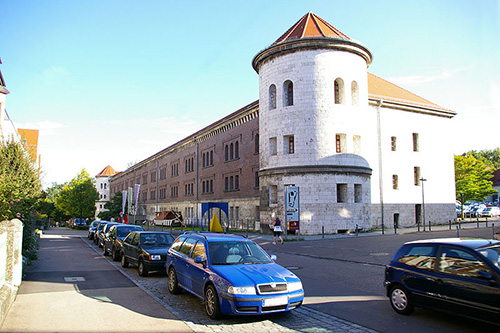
[[344, 278]]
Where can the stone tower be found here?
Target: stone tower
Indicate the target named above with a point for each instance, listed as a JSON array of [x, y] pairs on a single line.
[[314, 127]]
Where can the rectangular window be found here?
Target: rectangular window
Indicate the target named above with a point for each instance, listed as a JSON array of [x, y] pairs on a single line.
[[416, 175], [341, 193], [273, 194], [416, 146], [289, 143], [153, 176], [273, 146], [395, 182], [358, 195], [340, 146], [356, 140], [393, 143]]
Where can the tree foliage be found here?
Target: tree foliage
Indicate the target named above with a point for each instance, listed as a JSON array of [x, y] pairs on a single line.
[[490, 157], [472, 179], [113, 206], [20, 186], [77, 198]]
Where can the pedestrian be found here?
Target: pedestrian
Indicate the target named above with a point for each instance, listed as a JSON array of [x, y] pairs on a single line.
[[277, 230]]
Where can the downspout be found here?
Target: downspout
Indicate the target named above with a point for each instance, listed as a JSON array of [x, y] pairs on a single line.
[[380, 164]]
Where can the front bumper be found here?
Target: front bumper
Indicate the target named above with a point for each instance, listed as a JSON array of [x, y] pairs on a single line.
[[260, 304]]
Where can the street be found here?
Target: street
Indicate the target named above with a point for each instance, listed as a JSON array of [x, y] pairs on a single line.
[[342, 277]]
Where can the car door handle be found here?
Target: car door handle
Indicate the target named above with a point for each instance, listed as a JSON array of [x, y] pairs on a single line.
[[439, 281]]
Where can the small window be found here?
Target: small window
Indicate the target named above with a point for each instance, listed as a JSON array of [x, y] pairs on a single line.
[[416, 146], [340, 146], [272, 97], [273, 194], [416, 176], [395, 182], [393, 143], [339, 91], [273, 146], [288, 93], [358, 193], [237, 149], [289, 142], [226, 153], [256, 148], [354, 93], [341, 193], [356, 141]]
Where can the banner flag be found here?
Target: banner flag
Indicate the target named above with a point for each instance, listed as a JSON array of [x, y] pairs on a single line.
[[136, 197], [124, 200], [130, 199]]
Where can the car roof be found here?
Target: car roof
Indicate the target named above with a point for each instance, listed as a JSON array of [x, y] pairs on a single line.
[[215, 236], [143, 232], [472, 243]]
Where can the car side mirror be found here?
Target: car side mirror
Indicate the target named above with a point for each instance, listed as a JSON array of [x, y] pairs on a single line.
[[273, 257], [199, 260]]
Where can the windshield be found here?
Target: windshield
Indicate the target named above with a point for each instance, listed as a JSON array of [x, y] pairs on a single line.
[[492, 254], [236, 253], [122, 232], [156, 240]]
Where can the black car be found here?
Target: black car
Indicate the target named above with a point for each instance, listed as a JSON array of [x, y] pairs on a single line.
[[98, 230], [459, 276], [102, 232], [113, 239], [147, 250]]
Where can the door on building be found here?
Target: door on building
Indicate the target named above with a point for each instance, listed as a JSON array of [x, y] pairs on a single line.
[[396, 220], [418, 214]]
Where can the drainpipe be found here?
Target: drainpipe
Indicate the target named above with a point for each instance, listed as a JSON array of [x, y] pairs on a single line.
[[380, 173]]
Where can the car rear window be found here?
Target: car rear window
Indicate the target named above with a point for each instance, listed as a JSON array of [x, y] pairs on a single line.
[[419, 256]]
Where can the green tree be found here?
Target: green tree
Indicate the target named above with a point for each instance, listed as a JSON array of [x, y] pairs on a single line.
[[20, 186], [48, 204], [472, 179], [490, 157], [113, 206], [77, 198]]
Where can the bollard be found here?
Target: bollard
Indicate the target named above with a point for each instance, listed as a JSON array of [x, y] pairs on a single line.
[[493, 230], [323, 232], [449, 223], [458, 233], [478, 222], [430, 225], [486, 221], [356, 230]]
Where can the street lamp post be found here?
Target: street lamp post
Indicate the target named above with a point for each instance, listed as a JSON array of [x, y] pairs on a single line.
[[422, 180]]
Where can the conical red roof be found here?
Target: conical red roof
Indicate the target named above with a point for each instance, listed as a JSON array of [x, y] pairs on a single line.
[[107, 172], [310, 26]]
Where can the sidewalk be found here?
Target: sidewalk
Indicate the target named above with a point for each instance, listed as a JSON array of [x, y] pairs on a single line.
[[71, 288]]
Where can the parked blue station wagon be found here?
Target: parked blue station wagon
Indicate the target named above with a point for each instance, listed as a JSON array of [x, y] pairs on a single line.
[[231, 274]]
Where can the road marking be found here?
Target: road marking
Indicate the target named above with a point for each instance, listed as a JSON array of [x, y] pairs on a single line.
[[74, 279]]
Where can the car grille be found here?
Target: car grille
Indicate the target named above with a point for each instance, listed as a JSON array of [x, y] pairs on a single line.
[[271, 288]]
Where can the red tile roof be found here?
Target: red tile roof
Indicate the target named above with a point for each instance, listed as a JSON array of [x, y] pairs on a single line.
[[107, 172], [310, 26]]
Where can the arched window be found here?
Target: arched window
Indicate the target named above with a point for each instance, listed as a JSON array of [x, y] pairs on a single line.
[[231, 151], [236, 149], [226, 155], [211, 157], [354, 93], [339, 91], [203, 164], [272, 97], [288, 93]]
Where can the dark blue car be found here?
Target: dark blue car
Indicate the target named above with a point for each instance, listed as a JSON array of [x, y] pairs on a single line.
[[459, 276], [231, 274]]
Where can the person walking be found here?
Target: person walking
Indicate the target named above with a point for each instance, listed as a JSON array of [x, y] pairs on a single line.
[[277, 230]]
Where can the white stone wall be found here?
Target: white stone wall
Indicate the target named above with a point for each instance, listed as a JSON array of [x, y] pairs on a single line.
[[102, 187]]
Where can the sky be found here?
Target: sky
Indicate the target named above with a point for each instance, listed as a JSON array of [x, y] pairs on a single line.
[[111, 82]]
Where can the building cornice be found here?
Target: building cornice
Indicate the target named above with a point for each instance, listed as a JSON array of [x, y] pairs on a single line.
[[308, 169]]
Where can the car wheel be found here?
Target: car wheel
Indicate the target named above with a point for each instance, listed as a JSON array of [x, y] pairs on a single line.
[[401, 300], [212, 307], [143, 270], [173, 285], [124, 261], [115, 255]]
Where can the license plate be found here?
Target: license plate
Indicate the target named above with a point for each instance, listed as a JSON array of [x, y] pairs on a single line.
[[275, 301]]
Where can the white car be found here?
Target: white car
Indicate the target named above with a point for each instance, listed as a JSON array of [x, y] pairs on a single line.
[[490, 212]]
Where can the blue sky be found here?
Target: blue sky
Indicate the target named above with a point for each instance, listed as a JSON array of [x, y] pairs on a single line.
[[113, 82]]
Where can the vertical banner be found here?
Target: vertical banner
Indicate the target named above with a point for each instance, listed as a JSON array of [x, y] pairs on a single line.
[[292, 207], [124, 200], [136, 197], [130, 199]]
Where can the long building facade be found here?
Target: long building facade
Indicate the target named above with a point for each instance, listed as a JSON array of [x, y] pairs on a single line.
[[359, 149]]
